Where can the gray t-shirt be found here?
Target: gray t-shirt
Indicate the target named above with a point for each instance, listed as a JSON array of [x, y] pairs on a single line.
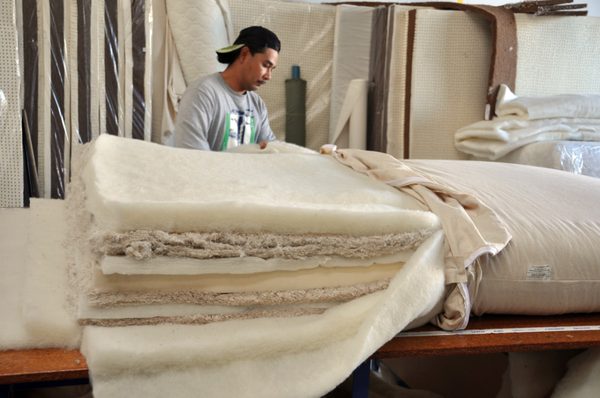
[[214, 117]]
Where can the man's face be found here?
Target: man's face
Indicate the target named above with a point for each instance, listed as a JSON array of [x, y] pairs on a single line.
[[257, 68]]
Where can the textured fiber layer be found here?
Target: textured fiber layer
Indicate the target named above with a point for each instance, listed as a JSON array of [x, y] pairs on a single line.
[[142, 244], [317, 295]]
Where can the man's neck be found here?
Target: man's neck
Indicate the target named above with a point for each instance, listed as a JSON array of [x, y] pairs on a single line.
[[229, 76]]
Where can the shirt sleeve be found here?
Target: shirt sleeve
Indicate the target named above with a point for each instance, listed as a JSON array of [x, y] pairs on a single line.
[[264, 129], [193, 121]]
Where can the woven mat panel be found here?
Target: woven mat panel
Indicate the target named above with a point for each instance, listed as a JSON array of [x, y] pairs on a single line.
[[306, 32], [557, 55], [11, 150], [397, 85], [451, 61]]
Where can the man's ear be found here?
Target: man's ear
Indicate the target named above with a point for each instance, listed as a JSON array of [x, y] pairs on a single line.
[[244, 53]]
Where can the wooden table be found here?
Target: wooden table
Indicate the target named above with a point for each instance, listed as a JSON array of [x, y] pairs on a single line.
[[494, 333], [488, 334]]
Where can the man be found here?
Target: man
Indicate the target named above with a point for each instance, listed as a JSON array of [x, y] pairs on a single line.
[[221, 110]]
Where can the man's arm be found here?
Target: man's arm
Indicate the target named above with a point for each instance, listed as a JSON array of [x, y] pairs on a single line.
[[265, 134], [193, 121]]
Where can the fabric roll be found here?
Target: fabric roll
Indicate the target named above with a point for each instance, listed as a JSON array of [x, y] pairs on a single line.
[[295, 111], [546, 107], [351, 129]]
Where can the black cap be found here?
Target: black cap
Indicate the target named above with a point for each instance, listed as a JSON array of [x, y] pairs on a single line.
[[256, 38]]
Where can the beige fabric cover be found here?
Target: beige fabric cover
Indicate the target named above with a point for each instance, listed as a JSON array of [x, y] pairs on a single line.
[[551, 264], [471, 228]]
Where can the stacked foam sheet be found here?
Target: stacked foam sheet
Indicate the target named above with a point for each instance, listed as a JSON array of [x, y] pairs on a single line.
[[236, 238], [306, 32]]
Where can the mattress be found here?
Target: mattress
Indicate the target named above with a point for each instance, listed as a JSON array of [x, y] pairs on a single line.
[[573, 156], [551, 264]]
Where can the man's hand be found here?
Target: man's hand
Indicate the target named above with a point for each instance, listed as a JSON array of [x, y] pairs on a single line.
[[262, 144]]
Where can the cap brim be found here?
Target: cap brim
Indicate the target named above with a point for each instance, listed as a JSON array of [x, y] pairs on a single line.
[[229, 49]]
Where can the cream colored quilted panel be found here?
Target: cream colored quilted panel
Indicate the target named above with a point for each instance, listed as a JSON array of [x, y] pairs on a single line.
[[451, 60], [558, 55]]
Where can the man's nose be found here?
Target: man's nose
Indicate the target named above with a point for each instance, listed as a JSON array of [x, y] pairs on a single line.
[[267, 75]]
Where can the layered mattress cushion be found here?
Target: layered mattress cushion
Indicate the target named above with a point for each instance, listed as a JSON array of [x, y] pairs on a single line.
[[232, 234], [551, 266]]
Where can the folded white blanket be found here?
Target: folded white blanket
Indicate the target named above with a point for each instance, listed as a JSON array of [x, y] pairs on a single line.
[[492, 139], [525, 120], [555, 106]]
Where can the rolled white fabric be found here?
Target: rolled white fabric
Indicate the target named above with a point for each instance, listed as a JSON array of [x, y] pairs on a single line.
[[555, 106], [492, 139]]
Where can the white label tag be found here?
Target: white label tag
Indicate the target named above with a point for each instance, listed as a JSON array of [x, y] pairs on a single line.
[[539, 273]]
